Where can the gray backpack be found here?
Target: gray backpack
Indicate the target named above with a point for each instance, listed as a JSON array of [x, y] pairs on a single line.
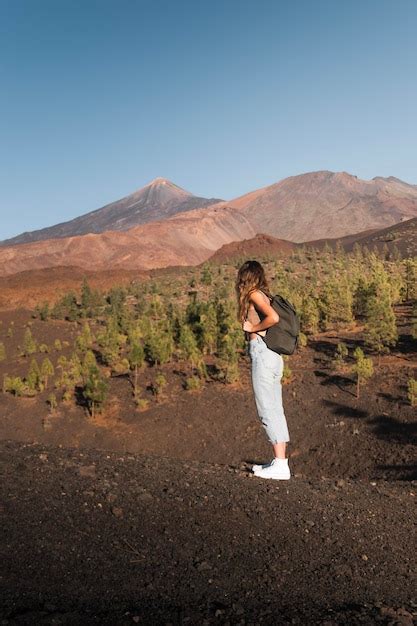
[[283, 336]]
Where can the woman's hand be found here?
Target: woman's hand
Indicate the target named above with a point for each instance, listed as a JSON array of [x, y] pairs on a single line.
[[248, 326]]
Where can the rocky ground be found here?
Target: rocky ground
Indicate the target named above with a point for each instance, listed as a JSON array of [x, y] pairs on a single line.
[[155, 518], [91, 537]]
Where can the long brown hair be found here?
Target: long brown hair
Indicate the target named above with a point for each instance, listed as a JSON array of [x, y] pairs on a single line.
[[251, 276]]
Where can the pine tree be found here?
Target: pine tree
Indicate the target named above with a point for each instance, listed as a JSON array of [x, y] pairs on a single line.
[[110, 342], [86, 299], [363, 368], [159, 385], [228, 359], [66, 308], [414, 321], [309, 315], [33, 379], [336, 303], [57, 344], [208, 335], [380, 328], [340, 355], [42, 311], [88, 363], [410, 279], [29, 344], [85, 339], [412, 391], [360, 297], [52, 401], [47, 369], [206, 275], [158, 345], [136, 359], [95, 389]]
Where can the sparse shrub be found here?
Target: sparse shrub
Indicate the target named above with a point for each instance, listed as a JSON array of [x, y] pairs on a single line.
[[57, 344], [287, 371], [44, 348], [159, 385], [66, 308], [412, 391], [340, 354], [121, 367], [10, 330], [67, 395], [91, 300], [141, 403], [52, 401], [302, 340], [3, 354], [42, 311], [193, 383], [14, 384]]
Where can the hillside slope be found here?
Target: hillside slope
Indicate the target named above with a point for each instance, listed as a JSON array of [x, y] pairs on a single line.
[[186, 239], [327, 204], [158, 200]]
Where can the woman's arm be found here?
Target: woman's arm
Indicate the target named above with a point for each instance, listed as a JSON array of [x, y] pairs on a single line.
[[271, 316]]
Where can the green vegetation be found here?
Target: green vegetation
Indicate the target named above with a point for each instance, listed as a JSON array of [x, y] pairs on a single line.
[[52, 402], [363, 368], [29, 344], [412, 391], [188, 319], [95, 386], [340, 355]]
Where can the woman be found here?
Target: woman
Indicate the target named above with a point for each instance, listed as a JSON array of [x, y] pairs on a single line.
[[256, 315]]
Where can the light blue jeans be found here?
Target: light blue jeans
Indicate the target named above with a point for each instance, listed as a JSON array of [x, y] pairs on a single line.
[[267, 368]]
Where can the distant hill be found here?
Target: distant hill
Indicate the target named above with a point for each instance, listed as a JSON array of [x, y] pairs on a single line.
[[259, 246], [402, 236], [315, 207], [156, 201], [325, 204], [185, 239]]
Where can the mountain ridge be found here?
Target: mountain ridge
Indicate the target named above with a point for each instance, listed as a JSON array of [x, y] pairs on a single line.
[[159, 199], [307, 207]]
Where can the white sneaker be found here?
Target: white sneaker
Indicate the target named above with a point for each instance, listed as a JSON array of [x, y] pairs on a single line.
[[256, 468], [278, 470]]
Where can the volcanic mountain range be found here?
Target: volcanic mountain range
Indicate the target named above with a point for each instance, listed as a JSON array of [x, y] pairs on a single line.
[[162, 225]]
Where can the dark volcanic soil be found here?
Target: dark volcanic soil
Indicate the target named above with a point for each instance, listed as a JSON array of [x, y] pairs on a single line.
[[163, 522], [95, 538]]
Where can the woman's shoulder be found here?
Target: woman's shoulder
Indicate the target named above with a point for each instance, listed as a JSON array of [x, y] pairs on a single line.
[[256, 294]]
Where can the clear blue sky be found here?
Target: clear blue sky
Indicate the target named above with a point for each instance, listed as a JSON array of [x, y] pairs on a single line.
[[98, 97]]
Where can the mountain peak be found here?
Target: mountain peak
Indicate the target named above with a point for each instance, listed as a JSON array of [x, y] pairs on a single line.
[[160, 181]]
